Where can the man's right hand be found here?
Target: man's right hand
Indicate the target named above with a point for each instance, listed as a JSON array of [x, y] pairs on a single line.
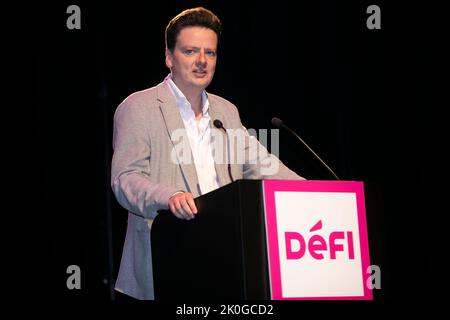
[[182, 205]]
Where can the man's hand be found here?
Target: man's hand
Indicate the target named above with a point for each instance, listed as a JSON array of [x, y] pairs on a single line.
[[182, 205]]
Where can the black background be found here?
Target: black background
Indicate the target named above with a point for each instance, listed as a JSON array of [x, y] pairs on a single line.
[[367, 101]]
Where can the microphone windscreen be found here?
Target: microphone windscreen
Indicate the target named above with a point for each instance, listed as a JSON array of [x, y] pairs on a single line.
[[277, 122], [218, 124]]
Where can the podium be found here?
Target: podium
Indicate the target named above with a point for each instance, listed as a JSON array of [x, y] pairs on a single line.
[[230, 250]]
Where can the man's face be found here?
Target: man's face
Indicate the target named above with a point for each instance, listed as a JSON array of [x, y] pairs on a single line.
[[194, 57]]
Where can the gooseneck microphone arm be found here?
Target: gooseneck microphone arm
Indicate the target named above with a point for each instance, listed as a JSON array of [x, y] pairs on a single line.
[[279, 124], [219, 125]]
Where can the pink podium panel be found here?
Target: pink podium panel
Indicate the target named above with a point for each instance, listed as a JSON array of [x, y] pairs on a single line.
[[317, 240]]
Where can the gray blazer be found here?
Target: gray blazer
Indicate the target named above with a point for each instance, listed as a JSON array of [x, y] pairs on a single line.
[[144, 175]]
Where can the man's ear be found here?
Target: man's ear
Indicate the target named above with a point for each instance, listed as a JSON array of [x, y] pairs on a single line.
[[168, 59]]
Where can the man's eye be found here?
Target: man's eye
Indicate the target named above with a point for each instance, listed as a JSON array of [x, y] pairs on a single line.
[[211, 53], [189, 52]]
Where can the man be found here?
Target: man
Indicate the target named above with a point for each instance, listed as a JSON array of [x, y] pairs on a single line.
[[150, 170]]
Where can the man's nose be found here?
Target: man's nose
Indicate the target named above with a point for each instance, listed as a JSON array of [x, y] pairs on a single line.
[[201, 60]]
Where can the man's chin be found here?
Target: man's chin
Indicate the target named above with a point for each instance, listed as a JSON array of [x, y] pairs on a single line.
[[202, 83]]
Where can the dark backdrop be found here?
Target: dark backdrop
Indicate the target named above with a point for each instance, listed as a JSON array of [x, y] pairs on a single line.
[[368, 102]]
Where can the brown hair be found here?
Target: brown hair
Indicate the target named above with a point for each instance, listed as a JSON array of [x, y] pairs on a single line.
[[199, 16]]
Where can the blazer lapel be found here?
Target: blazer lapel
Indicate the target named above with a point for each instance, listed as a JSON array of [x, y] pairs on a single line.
[[179, 138]]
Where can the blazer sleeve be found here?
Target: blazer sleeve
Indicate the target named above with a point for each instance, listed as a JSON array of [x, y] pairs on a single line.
[[130, 168]]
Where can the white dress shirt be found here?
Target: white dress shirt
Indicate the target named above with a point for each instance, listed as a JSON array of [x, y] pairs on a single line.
[[200, 140]]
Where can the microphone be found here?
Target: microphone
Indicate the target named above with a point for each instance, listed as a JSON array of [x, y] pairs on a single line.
[[219, 125], [279, 124]]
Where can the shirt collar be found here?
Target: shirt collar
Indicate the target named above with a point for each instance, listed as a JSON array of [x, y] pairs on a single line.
[[181, 100]]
